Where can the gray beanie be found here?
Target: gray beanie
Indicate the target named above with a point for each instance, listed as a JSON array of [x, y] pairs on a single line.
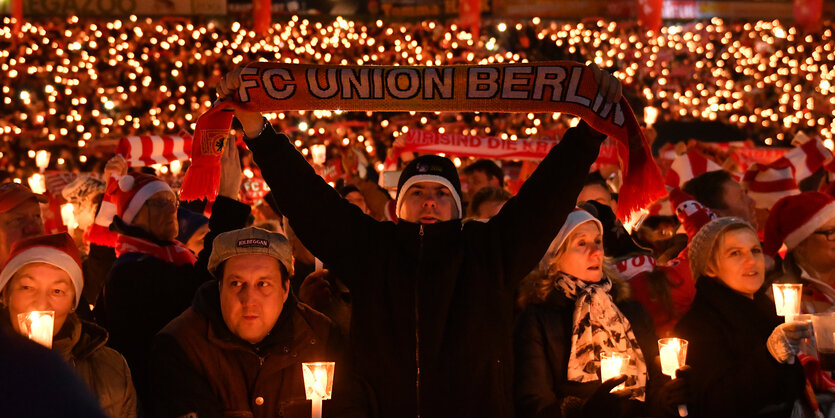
[[701, 246]]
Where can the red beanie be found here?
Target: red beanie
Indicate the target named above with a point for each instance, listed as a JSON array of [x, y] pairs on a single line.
[[692, 214], [794, 218], [58, 250]]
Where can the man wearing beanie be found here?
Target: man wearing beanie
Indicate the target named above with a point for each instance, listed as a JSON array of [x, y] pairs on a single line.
[[432, 299], [239, 348], [155, 277]]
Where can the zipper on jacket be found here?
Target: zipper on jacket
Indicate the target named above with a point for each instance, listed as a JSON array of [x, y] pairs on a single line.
[[417, 325]]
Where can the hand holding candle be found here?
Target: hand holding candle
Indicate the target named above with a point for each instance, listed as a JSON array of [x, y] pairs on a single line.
[[613, 365], [787, 299], [38, 326], [673, 352]]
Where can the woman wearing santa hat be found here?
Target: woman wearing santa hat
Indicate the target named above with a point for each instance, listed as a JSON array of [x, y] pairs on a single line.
[[805, 224], [44, 273]]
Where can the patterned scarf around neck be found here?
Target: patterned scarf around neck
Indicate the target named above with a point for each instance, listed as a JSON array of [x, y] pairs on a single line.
[[599, 326], [175, 253]]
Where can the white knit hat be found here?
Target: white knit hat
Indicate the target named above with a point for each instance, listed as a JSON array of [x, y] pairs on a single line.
[[574, 220]]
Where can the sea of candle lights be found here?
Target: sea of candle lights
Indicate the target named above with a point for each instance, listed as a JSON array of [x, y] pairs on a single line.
[[69, 84]]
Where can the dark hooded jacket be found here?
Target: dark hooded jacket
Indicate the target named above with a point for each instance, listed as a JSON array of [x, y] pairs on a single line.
[[733, 374], [542, 343], [432, 304], [199, 366], [104, 370], [143, 293]]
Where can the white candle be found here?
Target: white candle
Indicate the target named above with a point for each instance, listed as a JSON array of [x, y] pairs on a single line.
[[650, 115], [37, 183], [787, 298], [673, 352], [612, 366], [42, 159], [38, 326], [318, 384], [318, 152]]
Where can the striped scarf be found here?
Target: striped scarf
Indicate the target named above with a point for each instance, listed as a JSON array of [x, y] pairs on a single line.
[[599, 326], [175, 253]]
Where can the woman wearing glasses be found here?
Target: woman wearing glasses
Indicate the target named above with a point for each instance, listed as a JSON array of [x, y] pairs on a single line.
[[805, 224]]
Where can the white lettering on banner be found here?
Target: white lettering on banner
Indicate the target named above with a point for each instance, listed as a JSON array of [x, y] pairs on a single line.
[[477, 146], [631, 267]]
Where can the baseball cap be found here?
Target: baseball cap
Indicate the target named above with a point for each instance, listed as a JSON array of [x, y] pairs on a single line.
[[13, 194], [250, 240]]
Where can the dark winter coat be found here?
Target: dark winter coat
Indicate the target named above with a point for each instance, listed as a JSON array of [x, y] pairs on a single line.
[[199, 366], [104, 370], [143, 293], [432, 304], [542, 345], [733, 374]]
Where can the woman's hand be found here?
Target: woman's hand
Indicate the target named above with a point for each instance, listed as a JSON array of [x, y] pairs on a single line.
[[784, 341]]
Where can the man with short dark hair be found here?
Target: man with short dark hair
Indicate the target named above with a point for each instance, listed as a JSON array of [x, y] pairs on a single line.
[[482, 173], [488, 202], [238, 349], [20, 216], [598, 190], [720, 192]]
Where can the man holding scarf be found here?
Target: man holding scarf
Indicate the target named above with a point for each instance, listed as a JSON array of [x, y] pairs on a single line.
[[155, 277], [433, 299]]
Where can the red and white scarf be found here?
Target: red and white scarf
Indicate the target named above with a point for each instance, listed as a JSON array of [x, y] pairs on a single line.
[[175, 253]]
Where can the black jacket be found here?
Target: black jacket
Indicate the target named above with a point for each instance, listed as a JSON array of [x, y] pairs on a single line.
[[143, 293], [432, 304], [542, 344], [733, 374], [199, 366]]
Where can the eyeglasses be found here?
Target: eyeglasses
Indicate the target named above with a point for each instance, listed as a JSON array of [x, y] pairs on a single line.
[[829, 234]]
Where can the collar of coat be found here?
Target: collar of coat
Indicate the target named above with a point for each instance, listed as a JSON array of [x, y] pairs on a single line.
[[740, 312]]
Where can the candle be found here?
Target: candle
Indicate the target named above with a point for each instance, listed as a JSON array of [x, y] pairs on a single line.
[[318, 384], [176, 167], [612, 365], [38, 326], [650, 115], [673, 352], [42, 159], [787, 299], [318, 152], [37, 183]]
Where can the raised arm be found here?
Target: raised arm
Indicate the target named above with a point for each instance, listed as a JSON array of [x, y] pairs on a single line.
[[530, 220]]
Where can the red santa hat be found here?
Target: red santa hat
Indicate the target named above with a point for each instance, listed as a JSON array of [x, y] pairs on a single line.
[[768, 183], [687, 166], [692, 214], [127, 195], [794, 218], [58, 250]]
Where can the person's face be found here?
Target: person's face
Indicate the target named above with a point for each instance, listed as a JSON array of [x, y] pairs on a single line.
[[738, 203], [159, 216], [583, 256], [427, 203], [357, 199], [478, 180], [23, 221], [40, 287], [252, 295], [490, 208], [738, 261], [596, 193], [817, 251], [195, 243]]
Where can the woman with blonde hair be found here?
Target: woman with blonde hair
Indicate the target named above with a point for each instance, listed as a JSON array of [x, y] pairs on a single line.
[[580, 309]]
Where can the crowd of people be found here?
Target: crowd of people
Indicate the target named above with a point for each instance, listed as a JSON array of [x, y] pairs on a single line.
[[448, 293]]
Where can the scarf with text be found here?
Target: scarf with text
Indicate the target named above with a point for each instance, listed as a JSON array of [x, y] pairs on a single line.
[[558, 86], [599, 326]]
